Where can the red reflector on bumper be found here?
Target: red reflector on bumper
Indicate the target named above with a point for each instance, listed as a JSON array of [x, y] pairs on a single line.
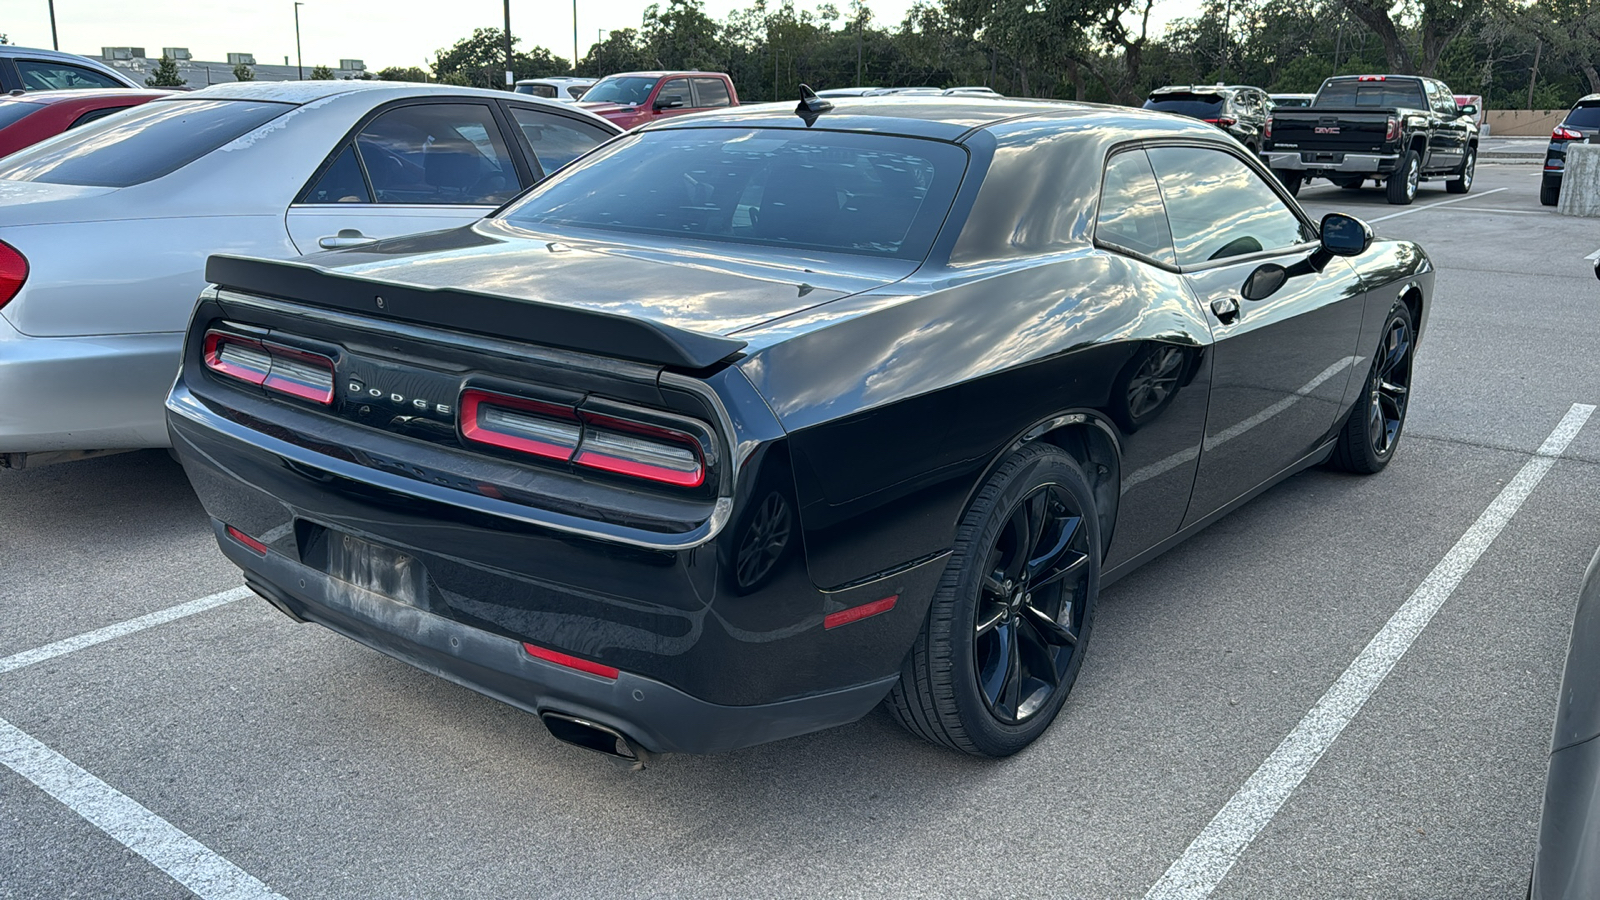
[[572, 662], [857, 613], [247, 540]]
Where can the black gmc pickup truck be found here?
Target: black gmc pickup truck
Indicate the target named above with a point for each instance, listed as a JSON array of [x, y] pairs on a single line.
[[1397, 129]]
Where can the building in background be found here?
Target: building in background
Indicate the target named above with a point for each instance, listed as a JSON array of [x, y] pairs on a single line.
[[134, 63]]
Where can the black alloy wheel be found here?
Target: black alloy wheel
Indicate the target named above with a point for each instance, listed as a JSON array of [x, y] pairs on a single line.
[[1463, 180], [764, 542], [1402, 184], [1010, 621], [1367, 441], [1031, 605]]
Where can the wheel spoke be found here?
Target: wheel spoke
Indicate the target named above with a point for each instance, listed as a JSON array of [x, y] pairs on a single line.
[[1076, 561], [1021, 526], [1393, 390], [1012, 688], [1044, 561], [1053, 632], [997, 614]]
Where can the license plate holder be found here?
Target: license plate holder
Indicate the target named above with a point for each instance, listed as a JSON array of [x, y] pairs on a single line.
[[383, 570]]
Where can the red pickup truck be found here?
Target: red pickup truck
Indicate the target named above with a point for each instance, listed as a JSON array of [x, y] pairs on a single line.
[[631, 99]]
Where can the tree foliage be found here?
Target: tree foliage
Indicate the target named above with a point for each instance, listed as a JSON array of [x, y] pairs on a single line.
[[242, 72], [404, 73], [320, 73], [165, 74], [1099, 50]]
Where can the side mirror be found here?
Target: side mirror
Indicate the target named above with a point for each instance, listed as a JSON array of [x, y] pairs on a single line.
[[1471, 109], [1264, 282], [1344, 235], [668, 102]]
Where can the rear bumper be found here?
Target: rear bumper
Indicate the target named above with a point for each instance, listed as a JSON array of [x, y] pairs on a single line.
[[658, 716], [97, 392], [1347, 164]]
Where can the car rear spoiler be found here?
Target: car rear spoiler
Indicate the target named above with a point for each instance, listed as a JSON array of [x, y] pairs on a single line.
[[570, 328]]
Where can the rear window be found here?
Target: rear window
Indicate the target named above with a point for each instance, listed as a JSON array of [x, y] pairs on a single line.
[[869, 194], [1584, 116], [144, 143], [1198, 106], [1378, 94], [15, 111], [537, 90]]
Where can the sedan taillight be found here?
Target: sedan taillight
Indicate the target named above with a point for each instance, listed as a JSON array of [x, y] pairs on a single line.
[[565, 434], [285, 370], [1563, 133], [13, 272]]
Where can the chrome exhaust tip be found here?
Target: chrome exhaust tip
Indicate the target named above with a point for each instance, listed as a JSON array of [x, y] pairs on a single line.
[[601, 739]]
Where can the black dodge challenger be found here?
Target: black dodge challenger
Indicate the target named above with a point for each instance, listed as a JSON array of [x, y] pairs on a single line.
[[748, 421]]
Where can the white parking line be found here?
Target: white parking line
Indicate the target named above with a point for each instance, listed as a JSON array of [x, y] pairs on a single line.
[[1196, 873], [101, 635], [189, 862], [1593, 256], [1415, 209]]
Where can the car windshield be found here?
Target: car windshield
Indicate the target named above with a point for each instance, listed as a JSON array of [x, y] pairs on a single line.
[[1199, 106], [1377, 94], [630, 90], [1584, 116], [141, 144], [868, 194]]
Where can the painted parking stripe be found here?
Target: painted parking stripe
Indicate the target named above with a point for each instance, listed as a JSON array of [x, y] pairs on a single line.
[[101, 635], [1593, 256], [1196, 873], [186, 860], [1416, 209]]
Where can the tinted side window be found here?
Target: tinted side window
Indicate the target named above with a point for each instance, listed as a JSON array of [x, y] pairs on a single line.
[[676, 89], [1218, 207], [556, 140], [711, 92], [342, 183], [1131, 214], [53, 76], [95, 114], [437, 153], [537, 90], [144, 143]]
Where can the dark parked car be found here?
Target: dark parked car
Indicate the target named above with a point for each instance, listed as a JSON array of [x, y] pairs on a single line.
[[1581, 124], [1237, 109], [32, 69], [1401, 130], [27, 119], [735, 427]]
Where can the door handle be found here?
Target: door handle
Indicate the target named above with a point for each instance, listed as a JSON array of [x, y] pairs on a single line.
[[1226, 309], [347, 237]]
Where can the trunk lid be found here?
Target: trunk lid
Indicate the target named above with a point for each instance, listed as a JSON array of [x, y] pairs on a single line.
[[1350, 130]]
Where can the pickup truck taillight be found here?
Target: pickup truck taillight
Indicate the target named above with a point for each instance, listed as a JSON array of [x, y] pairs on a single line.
[[1266, 130], [1563, 133], [1391, 131], [564, 434], [13, 272]]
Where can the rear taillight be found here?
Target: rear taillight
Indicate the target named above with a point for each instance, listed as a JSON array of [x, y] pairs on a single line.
[[1223, 121], [1563, 133], [1372, 78], [1266, 130], [1391, 129], [13, 272], [285, 370], [516, 423], [605, 443]]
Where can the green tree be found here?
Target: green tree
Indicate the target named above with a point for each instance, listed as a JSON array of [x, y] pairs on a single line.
[[321, 73], [242, 72], [621, 51], [481, 61], [681, 37], [404, 73], [165, 74]]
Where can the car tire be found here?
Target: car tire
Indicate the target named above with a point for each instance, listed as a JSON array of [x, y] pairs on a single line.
[[1402, 185], [1291, 180], [1004, 640], [1370, 434], [1549, 192], [1463, 180], [1350, 183]]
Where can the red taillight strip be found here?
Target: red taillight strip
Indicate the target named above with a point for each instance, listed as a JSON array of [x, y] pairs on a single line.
[[472, 428], [286, 368], [13, 272], [214, 361], [1563, 133], [305, 390], [247, 540], [857, 613], [610, 462], [572, 662]]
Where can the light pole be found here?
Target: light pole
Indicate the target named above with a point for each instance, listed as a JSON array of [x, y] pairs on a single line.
[[574, 37], [54, 42], [299, 61], [510, 79]]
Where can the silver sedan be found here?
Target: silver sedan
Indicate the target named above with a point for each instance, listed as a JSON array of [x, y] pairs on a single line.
[[104, 231]]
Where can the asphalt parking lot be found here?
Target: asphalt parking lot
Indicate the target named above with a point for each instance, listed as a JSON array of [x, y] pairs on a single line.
[[252, 754]]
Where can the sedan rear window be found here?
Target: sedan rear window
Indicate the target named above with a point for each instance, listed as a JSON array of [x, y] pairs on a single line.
[[1584, 116], [870, 194], [1198, 106], [142, 144]]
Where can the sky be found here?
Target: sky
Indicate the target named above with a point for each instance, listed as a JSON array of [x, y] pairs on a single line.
[[380, 32]]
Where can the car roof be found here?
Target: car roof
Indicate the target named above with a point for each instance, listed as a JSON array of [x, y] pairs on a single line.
[[310, 91], [660, 73], [553, 79], [85, 94], [1588, 98], [949, 118]]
